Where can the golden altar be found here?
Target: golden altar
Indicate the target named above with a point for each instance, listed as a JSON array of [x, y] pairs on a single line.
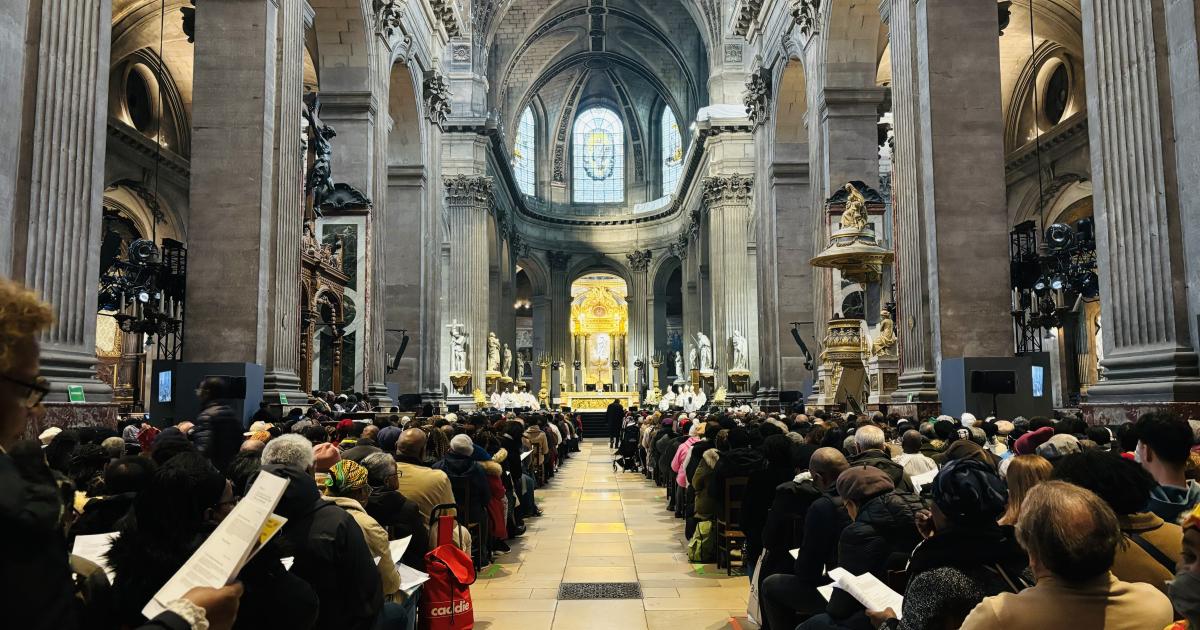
[[597, 401]]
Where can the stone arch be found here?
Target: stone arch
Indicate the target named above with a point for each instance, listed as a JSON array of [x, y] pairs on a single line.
[[791, 112], [535, 270], [599, 263], [853, 37]]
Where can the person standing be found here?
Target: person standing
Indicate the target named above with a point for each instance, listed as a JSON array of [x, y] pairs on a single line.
[[218, 432], [613, 416]]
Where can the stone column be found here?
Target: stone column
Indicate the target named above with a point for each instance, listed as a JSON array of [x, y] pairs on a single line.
[[468, 201], [282, 374], [918, 378], [691, 299], [734, 296], [52, 173], [792, 276], [1146, 55], [403, 251], [641, 315], [559, 334], [231, 179], [849, 120]]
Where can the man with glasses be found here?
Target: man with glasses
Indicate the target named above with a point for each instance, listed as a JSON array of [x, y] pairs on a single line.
[[39, 591]]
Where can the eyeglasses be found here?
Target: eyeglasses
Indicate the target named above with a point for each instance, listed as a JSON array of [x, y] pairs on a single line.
[[34, 392]]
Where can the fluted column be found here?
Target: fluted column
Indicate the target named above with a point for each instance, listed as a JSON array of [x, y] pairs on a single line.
[[734, 294], [283, 332], [559, 333], [1139, 98], [641, 316], [468, 200], [918, 379], [54, 221]]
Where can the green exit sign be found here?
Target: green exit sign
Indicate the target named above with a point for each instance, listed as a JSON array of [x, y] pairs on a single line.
[[282, 398], [75, 393]]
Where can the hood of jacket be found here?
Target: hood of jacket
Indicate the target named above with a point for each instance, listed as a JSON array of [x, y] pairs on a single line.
[[456, 465], [1173, 499], [892, 513], [301, 496], [711, 456]]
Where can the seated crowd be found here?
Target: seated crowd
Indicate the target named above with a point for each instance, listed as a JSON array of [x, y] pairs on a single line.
[[1030, 523], [353, 485]]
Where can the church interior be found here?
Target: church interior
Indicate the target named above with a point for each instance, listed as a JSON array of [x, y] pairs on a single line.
[[444, 206]]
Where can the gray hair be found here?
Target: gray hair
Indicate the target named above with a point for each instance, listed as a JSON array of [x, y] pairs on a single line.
[[379, 467], [868, 437], [1071, 531], [290, 450], [113, 446]]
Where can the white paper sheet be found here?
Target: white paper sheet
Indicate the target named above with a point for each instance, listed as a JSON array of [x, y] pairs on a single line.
[[226, 550], [410, 578], [525, 455], [923, 479], [93, 547], [398, 547], [872, 593], [795, 553], [826, 591]]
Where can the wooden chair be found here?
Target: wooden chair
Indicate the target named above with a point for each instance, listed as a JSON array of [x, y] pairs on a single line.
[[475, 521], [730, 540]]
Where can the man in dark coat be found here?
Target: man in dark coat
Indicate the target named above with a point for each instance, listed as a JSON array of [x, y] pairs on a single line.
[[329, 553], [613, 417], [218, 432]]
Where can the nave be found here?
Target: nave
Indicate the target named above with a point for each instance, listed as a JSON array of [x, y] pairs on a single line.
[[601, 526]]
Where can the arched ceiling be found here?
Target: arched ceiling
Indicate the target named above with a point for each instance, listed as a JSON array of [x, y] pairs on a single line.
[[539, 48], [136, 26]]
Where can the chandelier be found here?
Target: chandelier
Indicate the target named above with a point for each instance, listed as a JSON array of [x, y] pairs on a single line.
[[139, 292], [1049, 279]]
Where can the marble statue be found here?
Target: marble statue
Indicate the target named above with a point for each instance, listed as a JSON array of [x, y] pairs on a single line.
[[1099, 351], [692, 364], [679, 364], [506, 362], [741, 359], [458, 347], [706, 356], [493, 353], [854, 217], [885, 336]]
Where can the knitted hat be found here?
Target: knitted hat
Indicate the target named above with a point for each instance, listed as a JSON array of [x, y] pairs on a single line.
[[863, 483], [325, 455], [1059, 446], [1027, 444], [1004, 427], [461, 444], [346, 424], [387, 438], [969, 491], [345, 477]]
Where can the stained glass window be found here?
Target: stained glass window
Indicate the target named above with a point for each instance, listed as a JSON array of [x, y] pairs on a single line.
[[599, 157], [524, 158], [672, 152]]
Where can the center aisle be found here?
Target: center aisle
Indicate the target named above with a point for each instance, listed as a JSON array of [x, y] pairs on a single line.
[[602, 526]]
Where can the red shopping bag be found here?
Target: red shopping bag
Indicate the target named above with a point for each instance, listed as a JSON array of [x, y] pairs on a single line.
[[446, 597]]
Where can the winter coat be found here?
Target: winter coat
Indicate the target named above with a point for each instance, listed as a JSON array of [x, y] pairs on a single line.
[[950, 573], [497, 496], [738, 462], [824, 524], [757, 500], [463, 469], [677, 461], [329, 552], [881, 460], [426, 487], [217, 434], [100, 514], [537, 440], [1134, 564], [377, 542], [784, 527], [401, 517], [879, 540], [705, 506], [1168, 502]]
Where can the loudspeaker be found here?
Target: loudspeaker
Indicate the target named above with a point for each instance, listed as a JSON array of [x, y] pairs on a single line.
[[994, 382]]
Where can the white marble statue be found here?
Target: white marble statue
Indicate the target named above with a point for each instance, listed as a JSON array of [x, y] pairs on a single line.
[[493, 353], [692, 361], [706, 356], [506, 362], [458, 347], [679, 365], [1099, 351], [741, 360]]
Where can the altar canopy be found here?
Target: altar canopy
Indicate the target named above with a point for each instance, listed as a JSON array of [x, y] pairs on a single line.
[[599, 326]]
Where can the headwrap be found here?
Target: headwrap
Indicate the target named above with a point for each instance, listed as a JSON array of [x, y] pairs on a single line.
[[969, 491], [1192, 519], [345, 477], [261, 436]]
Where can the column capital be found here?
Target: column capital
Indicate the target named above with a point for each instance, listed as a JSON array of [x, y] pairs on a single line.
[[680, 247], [469, 190], [558, 260], [726, 188], [758, 96], [639, 260]]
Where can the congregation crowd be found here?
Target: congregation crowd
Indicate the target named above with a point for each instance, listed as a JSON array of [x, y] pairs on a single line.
[[1029, 523], [353, 485]]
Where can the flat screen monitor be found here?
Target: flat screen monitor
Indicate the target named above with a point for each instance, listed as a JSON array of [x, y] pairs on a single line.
[[164, 386], [1039, 386]]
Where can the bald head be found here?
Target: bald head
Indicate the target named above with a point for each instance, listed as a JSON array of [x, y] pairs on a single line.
[[412, 443], [253, 446], [370, 432], [911, 441], [826, 464]]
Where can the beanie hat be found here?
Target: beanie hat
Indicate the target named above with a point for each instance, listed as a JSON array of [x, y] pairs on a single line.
[[1059, 446], [966, 449], [325, 455], [1004, 427], [969, 491], [863, 483], [1027, 444], [461, 444], [387, 438], [346, 476]]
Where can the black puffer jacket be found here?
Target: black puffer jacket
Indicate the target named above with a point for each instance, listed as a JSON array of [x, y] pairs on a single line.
[[880, 539], [879, 459], [329, 553], [217, 434]]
